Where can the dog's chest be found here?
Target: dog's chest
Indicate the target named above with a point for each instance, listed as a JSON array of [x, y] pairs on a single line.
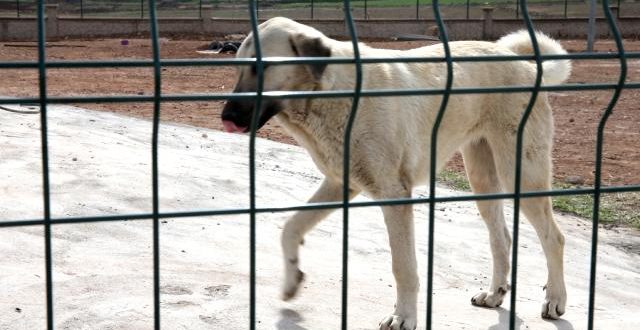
[[325, 149]]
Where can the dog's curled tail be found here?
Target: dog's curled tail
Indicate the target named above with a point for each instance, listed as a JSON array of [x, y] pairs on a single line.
[[554, 71]]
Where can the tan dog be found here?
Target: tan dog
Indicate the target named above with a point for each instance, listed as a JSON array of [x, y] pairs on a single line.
[[391, 138]]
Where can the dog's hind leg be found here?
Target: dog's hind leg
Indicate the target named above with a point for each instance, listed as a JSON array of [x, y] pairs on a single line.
[[483, 177], [536, 176], [399, 222], [296, 227]]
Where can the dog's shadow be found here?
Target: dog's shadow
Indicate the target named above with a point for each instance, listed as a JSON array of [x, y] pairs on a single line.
[[503, 322], [289, 320]]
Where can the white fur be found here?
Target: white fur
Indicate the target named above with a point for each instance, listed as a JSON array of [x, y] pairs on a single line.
[[554, 71], [390, 145]]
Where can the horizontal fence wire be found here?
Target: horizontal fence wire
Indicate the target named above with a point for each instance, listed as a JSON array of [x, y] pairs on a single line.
[[318, 206], [42, 65], [308, 60]]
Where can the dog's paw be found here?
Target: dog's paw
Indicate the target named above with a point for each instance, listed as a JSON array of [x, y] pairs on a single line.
[[554, 302], [397, 322], [552, 310], [292, 284], [489, 299]]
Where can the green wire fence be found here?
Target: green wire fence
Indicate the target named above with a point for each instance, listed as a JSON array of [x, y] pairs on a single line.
[[260, 95], [316, 9]]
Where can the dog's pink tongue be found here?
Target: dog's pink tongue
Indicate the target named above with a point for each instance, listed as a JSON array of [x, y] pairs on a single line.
[[231, 127]]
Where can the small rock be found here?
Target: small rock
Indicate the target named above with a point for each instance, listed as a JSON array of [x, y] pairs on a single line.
[[18, 310], [574, 179], [75, 159], [204, 135]]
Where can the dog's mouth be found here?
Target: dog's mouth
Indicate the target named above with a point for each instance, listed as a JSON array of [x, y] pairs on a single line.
[[235, 118], [231, 127]]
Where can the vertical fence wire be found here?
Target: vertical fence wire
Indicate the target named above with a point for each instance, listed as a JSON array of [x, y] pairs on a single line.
[[347, 161], [598, 161], [433, 158], [44, 139], [253, 13], [157, 93], [518, 169]]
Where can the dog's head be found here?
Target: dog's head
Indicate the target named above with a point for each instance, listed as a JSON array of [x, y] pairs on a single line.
[[279, 37]]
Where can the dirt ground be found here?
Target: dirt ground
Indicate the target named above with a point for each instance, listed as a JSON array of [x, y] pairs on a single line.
[[576, 113]]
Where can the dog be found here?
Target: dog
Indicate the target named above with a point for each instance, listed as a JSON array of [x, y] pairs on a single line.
[[390, 142]]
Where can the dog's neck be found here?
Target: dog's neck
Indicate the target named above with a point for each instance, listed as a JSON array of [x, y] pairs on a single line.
[[319, 134]]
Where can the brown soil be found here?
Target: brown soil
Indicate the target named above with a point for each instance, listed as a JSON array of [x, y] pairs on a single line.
[[576, 113]]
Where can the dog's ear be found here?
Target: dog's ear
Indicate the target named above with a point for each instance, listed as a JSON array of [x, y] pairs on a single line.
[[305, 46]]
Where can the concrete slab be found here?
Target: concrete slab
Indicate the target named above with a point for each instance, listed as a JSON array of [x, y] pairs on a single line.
[[100, 164]]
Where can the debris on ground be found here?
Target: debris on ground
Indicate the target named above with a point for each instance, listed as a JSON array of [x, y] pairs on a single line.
[[216, 47]]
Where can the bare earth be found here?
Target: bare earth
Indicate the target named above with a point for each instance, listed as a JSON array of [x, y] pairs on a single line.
[[577, 114]]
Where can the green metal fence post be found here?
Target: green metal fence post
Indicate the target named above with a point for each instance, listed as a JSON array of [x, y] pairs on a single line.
[[597, 181], [433, 157], [259, 63], [366, 14], [18, 8], [518, 169], [468, 4], [157, 96], [346, 162], [618, 12], [44, 141]]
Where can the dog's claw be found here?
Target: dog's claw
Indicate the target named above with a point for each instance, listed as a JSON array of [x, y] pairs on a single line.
[[488, 299], [551, 310]]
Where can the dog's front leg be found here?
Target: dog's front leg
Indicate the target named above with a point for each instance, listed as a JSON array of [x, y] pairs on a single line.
[[399, 221], [295, 229]]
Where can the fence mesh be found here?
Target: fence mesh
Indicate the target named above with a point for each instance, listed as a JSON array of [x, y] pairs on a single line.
[[153, 7], [320, 9]]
